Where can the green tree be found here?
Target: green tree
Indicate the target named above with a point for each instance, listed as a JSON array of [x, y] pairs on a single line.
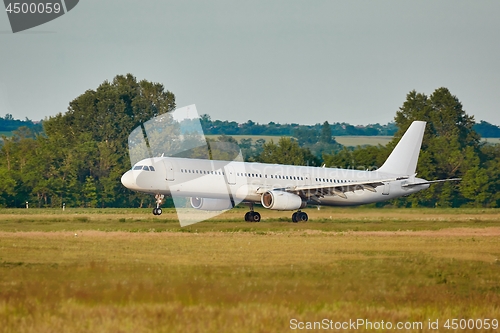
[[361, 158], [7, 187], [286, 151], [450, 145], [481, 183], [92, 137], [326, 133], [90, 192]]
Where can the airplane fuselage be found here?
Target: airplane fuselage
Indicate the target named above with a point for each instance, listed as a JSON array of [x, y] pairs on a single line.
[[214, 185], [247, 181]]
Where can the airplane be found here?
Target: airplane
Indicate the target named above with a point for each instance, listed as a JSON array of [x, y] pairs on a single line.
[[214, 185]]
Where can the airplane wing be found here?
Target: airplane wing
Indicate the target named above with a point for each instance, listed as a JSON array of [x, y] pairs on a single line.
[[431, 182], [320, 190]]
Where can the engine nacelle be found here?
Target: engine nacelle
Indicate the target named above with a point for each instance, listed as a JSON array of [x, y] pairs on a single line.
[[280, 200], [211, 204]]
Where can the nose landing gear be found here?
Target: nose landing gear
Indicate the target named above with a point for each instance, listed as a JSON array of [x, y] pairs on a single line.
[[159, 200]]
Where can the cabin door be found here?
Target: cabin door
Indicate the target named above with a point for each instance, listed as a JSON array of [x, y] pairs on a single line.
[[387, 187], [307, 178], [170, 170], [230, 175]]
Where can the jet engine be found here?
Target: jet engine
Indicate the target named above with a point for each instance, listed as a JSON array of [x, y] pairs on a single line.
[[280, 200], [210, 204]]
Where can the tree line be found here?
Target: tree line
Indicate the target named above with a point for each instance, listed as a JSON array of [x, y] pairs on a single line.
[[225, 127], [80, 155], [219, 127]]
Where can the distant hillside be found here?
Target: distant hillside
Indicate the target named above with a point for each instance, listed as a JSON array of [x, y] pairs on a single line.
[[9, 124], [219, 127], [487, 130]]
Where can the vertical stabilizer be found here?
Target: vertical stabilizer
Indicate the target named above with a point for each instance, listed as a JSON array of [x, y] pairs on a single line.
[[403, 159]]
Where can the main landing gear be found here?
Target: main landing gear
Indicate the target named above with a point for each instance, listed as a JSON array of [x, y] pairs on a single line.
[[252, 216], [299, 217], [159, 200]]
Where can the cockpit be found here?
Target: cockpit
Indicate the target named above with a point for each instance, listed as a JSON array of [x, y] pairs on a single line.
[[144, 167]]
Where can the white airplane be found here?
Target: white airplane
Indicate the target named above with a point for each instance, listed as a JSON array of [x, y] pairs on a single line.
[[218, 185]]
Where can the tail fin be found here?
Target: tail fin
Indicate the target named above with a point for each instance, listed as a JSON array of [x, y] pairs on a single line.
[[403, 159]]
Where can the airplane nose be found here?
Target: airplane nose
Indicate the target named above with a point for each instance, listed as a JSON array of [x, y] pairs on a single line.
[[128, 180]]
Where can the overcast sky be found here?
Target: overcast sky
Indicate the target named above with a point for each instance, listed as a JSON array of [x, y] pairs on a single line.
[[283, 61]]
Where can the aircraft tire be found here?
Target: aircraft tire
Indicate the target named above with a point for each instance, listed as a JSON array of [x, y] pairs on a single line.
[[294, 217], [247, 216], [158, 211], [154, 211], [302, 217], [255, 217]]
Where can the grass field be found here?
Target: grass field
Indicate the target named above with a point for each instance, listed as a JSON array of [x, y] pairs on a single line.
[[352, 141], [128, 271], [491, 140], [348, 141]]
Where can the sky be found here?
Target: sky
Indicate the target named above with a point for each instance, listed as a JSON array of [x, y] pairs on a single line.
[[286, 61]]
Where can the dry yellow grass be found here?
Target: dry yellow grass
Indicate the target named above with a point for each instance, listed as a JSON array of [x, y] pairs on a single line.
[[248, 278]]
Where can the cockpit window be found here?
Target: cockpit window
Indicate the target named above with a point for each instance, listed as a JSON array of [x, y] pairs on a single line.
[[151, 168], [145, 168], [138, 167]]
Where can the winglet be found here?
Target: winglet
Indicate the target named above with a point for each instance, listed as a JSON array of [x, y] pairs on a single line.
[[403, 159]]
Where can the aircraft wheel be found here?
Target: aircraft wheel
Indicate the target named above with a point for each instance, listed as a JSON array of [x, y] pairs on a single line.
[[255, 217], [302, 217], [158, 211], [294, 217], [154, 211], [247, 216]]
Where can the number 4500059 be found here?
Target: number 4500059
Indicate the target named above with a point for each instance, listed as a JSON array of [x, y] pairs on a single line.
[[454, 324], [32, 8]]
